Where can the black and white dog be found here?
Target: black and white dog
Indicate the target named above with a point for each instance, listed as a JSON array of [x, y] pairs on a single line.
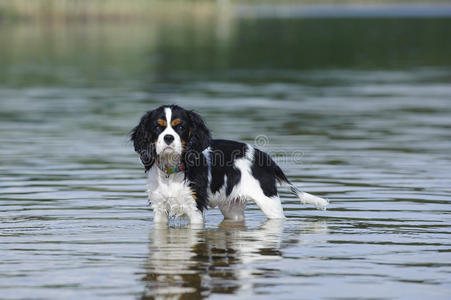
[[189, 171]]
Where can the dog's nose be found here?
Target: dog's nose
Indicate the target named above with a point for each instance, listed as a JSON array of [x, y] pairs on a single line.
[[168, 139]]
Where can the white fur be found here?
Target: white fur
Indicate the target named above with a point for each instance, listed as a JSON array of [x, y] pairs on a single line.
[[171, 196], [318, 202]]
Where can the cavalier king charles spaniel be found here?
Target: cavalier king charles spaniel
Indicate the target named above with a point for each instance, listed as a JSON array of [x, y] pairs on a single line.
[[189, 171]]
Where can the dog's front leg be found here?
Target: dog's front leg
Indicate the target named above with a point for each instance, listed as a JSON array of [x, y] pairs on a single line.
[[196, 217], [160, 216]]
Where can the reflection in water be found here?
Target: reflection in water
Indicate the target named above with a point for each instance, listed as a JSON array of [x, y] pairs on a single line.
[[189, 262]]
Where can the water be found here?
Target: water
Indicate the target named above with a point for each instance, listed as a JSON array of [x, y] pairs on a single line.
[[354, 110]]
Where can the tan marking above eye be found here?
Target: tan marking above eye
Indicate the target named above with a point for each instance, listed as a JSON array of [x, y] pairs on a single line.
[[176, 122], [162, 122]]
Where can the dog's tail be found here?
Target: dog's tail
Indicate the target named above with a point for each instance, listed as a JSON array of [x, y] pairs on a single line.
[[320, 203]]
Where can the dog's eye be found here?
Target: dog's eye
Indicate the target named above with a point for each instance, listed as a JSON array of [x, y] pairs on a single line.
[[180, 127], [157, 127]]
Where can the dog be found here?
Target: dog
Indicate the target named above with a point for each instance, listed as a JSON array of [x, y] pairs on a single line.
[[188, 171]]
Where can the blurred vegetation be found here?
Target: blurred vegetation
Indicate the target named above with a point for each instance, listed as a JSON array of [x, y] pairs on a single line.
[[103, 42], [97, 54], [139, 10], [101, 10]]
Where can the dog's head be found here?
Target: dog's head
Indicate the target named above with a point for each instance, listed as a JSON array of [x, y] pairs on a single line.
[[167, 133]]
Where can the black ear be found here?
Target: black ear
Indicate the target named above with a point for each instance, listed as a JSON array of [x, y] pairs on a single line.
[[142, 141], [199, 134]]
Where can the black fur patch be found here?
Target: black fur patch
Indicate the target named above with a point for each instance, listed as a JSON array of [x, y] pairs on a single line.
[[264, 170], [197, 175], [223, 155], [196, 168], [144, 136]]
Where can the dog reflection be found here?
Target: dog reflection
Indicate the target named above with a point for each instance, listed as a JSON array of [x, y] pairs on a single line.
[[173, 266], [187, 263]]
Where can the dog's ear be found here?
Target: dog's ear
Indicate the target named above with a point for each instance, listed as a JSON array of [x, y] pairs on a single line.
[[199, 134], [142, 141]]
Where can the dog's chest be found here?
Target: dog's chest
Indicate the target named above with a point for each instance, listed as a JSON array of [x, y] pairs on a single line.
[[171, 195]]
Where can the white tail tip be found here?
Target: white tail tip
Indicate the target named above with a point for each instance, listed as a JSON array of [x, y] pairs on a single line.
[[318, 202]]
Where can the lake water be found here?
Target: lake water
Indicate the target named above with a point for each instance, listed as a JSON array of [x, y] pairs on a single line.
[[355, 110]]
